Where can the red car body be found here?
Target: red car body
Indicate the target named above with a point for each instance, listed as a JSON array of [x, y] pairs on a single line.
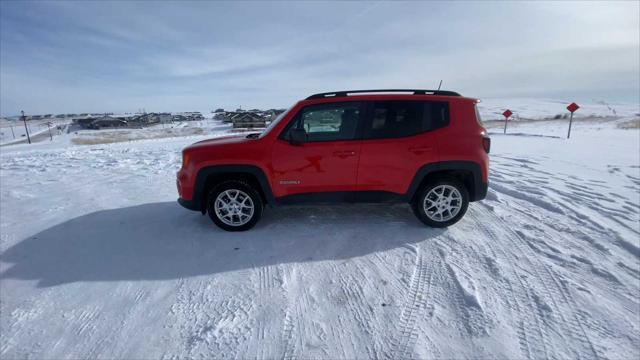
[[358, 169]]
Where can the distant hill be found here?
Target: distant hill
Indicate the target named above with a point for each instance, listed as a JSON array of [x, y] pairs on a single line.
[[537, 108]]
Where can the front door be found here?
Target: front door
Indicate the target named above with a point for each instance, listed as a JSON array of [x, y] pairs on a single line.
[[327, 162]]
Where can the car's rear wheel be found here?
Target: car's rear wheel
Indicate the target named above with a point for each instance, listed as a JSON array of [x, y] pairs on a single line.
[[441, 203], [234, 205]]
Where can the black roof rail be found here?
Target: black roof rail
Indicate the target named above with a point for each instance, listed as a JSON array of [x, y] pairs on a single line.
[[414, 91]]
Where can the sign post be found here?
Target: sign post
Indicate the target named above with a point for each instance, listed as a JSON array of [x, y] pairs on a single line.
[[506, 115], [572, 108], [49, 126], [24, 119]]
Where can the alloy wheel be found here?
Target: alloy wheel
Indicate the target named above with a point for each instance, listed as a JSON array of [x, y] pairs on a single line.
[[234, 207], [442, 203]]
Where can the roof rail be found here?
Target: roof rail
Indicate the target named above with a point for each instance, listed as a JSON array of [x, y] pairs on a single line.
[[414, 91]]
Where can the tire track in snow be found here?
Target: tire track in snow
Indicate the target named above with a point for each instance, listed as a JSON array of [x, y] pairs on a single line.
[[547, 303], [304, 334], [593, 216], [462, 291], [298, 304], [287, 337], [359, 308], [531, 342], [394, 282], [416, 303], [270, 294], [210, 326], [579, 203]]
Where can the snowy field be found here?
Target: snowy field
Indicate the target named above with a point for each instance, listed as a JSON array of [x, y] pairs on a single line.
[[97, 260], [12, 131], [536, 108]]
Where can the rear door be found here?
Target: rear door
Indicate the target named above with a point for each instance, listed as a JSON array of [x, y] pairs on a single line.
[[398, 138], [328, 160]]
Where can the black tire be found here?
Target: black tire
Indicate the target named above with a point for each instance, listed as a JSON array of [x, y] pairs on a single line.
[[419, 210], [243, 187]]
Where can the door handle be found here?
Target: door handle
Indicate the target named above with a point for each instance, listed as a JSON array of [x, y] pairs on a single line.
[[420, 149], [344, 154]]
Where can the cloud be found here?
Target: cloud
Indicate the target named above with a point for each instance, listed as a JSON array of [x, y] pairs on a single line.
[[119, 56]]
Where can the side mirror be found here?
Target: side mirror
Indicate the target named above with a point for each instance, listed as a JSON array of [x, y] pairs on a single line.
[[297, 136]]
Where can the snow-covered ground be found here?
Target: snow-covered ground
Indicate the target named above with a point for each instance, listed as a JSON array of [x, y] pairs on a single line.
[[538, 108], [97, 260], [13, 131]]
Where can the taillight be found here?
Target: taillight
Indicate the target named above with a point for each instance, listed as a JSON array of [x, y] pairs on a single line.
[[486, 143]]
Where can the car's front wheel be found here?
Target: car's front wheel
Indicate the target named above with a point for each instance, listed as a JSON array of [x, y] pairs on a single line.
[[234, 205], [441, 203]]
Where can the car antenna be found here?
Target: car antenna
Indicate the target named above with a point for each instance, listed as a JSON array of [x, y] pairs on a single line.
[[439, 85]]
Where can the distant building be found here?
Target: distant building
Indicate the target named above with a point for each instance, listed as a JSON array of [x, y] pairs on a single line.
[[224, 116], [108, 122], [194, 116], [248, 120], [164, 117], [84, 122], [101, 122], [151, 119]]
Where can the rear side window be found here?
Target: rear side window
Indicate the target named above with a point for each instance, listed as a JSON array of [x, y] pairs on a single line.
[[394, 119], [329, 122], [390, 119]]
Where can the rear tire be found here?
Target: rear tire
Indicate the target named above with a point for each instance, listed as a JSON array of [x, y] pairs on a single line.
[[234, 205], [441, 203]]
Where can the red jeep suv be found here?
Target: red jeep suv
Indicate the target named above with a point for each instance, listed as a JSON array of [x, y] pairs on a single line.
[[424, 147]]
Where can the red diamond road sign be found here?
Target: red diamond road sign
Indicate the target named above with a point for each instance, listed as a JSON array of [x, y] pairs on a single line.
[[507, 113], [573, 107]]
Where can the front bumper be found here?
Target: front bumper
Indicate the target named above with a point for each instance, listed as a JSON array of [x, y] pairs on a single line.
[[188, 204]]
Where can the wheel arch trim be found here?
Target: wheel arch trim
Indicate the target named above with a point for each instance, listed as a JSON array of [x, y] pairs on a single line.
[[205, 172], [479, 190]]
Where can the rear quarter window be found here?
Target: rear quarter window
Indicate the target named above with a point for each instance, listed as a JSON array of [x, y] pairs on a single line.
[[436, 115]]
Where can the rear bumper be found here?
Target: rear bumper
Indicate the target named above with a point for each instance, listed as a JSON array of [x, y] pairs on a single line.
[[188, 204], [480, 192]]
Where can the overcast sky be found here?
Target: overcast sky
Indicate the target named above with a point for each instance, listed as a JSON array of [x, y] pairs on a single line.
[[122, 56]]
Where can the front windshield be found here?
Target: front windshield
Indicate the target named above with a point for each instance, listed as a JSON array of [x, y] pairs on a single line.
[[275, 122]]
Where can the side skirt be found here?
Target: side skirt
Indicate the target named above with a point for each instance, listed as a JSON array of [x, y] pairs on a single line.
[[342, 197]]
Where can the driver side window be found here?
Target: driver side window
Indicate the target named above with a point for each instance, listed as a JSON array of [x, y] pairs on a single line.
[[329, 122]]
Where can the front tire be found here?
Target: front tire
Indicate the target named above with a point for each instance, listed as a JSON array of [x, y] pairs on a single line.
[[441, 203], [234, 205]]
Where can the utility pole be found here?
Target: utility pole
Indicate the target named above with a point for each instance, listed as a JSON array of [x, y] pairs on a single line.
[[24, 119]]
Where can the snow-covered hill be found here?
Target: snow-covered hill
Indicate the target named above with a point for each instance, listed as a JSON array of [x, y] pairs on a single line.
[[12, 131], [97, 260], [537, 108]]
